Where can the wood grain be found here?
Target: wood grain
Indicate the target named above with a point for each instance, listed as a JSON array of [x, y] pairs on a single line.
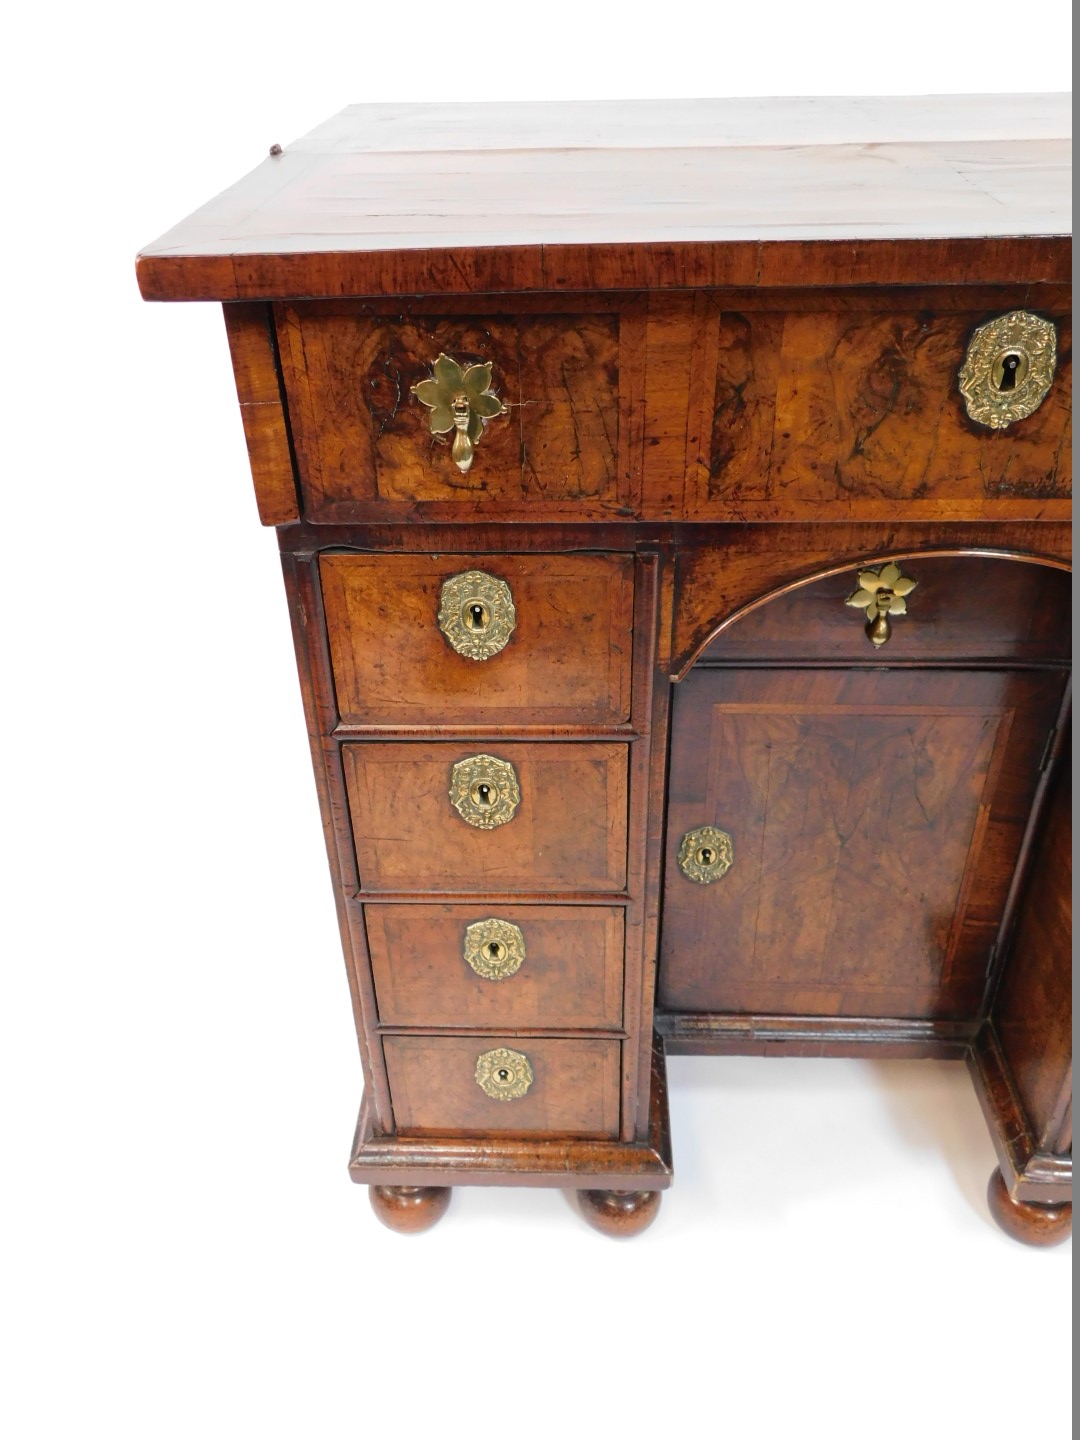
[[1033, 1009], [833, 405], [362, 436], [572, 976], [723, 570], [391, 200], [251, 345], [968, 608], [432, 1080], [567, 661], [569, 832], [877, 817]]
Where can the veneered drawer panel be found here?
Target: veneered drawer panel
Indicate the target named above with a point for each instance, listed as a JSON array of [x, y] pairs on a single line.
[[362, 438], [567, 659], [845, 404], [571, 976], [963, 607], [568, 831], [434, 1090]]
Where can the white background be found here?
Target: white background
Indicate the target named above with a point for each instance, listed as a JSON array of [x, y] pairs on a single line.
[[184, 1254]]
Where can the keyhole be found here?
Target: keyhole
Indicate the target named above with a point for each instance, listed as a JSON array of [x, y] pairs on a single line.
[[495, 950], [482, 794], [705, 856], [476, 616], [504, 1074], [1009, 366]]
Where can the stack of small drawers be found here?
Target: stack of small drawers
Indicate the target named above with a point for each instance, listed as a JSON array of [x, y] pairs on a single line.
[[485, 726]]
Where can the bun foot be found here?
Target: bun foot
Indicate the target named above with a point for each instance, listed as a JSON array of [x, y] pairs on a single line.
[[1030, 1224], [409, 1208], [619, 1213]]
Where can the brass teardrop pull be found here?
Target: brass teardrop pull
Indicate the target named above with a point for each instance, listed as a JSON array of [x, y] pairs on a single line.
[[461, 402], [881, 593]]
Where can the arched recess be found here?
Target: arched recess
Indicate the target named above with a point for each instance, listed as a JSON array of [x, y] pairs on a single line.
[[960, 583]]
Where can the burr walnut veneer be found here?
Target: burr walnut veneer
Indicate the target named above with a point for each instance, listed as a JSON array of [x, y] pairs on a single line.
[[673, 502]]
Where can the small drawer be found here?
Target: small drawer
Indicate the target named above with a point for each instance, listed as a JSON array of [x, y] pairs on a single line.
[[960, 607], [477, 1084], [554, 817], [469, 639], [862, 408], [498, 966], [363, 437]]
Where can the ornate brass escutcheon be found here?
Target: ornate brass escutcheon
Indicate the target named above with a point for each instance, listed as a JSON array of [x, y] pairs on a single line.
[[462, 401], [484, 791], [495, 949], [706, 854], [1009, 368], [504, 1074], [881, 594], [476, 614]]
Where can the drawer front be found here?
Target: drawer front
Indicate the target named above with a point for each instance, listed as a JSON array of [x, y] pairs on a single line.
[[572, 1085], [497, 966], [843, 405], [364, 439], [567, 831], [550, 642], [960, 607]]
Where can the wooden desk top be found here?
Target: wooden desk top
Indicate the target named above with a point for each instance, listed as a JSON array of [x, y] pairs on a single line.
[[393, 199]]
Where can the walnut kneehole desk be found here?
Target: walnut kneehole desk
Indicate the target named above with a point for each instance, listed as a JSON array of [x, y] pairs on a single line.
[[673, 500]]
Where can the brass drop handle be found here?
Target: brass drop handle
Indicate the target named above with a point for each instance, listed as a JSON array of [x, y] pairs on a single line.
[[1009, 368], [476, 614], [504, 1074], [494, 949], [484, 790], [461, 401], [706, 854], [881, 593]]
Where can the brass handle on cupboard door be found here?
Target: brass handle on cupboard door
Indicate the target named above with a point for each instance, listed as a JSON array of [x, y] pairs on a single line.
[[461, 401], [504, 1074], [1009, 368], [706, 854]]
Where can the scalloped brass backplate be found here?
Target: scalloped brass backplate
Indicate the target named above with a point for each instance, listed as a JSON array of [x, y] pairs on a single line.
[[1009, 368], [495, 949], [461, 401], [504, 1074], [706, 854], [476, 614], [484, 790]]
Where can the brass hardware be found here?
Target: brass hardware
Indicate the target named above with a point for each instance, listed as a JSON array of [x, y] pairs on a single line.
[[476, 614], [1009, 368], [881, 594], [495, 949], [484, 791], [460, 400], [706, 854], [504, 1074]]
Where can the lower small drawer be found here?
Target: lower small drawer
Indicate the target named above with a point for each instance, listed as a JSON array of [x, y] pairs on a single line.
[[498, 966], [479, 1084]]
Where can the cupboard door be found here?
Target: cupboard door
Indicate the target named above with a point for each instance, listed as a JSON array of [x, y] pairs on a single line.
[[876, 818]]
